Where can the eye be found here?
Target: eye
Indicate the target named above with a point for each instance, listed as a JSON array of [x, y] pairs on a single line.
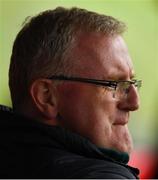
[[124, 85], [107, 88]]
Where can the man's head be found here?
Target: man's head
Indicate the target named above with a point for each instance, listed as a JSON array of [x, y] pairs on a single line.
[[75, 43]]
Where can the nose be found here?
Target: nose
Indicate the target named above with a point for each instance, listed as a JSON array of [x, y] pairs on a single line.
[[131, 102]]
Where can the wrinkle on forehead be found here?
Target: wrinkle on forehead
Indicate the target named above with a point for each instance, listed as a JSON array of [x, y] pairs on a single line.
[[101, 57], [86, 54], [120, 58]]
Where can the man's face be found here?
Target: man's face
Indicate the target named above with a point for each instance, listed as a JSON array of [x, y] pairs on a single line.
[[91, 110]]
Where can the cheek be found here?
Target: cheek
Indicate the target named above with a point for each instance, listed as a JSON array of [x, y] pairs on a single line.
[[67, 96], [105, 106], [72, 105], [77, 95], [85, 107]]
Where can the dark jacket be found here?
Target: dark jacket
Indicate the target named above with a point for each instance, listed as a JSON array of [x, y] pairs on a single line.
[[30, 149]]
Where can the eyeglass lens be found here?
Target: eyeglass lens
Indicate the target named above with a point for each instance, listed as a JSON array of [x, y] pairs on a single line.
[[123, 89]]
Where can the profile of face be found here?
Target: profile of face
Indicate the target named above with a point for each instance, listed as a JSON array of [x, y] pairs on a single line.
[[91, 110]]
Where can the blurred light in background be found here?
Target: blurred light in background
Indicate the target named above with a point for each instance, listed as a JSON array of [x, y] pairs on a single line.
[[141, 16]]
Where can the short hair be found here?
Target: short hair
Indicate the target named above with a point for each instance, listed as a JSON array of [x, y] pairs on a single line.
[[41, 48]]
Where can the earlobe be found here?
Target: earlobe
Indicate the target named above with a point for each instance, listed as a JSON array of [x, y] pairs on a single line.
[[44, 97]]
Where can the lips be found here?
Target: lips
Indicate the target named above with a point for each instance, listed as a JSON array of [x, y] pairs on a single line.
[[123, 120]]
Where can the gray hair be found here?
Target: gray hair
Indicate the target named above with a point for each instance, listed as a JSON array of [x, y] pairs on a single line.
[[42, 47]]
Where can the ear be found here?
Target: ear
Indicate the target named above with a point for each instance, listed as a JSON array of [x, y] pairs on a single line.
[[44, 94]]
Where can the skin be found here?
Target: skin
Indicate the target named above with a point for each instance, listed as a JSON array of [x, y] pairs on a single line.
[[91, 110]]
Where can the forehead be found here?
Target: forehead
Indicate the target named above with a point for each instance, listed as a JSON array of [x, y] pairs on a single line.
[[99, 56]]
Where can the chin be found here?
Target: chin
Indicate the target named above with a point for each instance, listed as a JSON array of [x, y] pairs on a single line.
[[126, 147], [119, 146], [122, 140]]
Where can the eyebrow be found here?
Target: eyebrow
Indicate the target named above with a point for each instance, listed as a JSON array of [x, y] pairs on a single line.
[[120, 77]]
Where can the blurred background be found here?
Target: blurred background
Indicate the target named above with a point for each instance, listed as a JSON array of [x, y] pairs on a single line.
[[141, 17]]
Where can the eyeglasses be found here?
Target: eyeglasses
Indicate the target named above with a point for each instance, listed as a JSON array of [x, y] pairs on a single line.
[[120, 87]]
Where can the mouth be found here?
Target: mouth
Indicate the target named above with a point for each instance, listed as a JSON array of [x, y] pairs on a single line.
[[121, 123], [122, 120]]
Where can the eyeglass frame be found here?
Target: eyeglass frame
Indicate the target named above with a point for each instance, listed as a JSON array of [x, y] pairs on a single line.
[[106, 83]]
